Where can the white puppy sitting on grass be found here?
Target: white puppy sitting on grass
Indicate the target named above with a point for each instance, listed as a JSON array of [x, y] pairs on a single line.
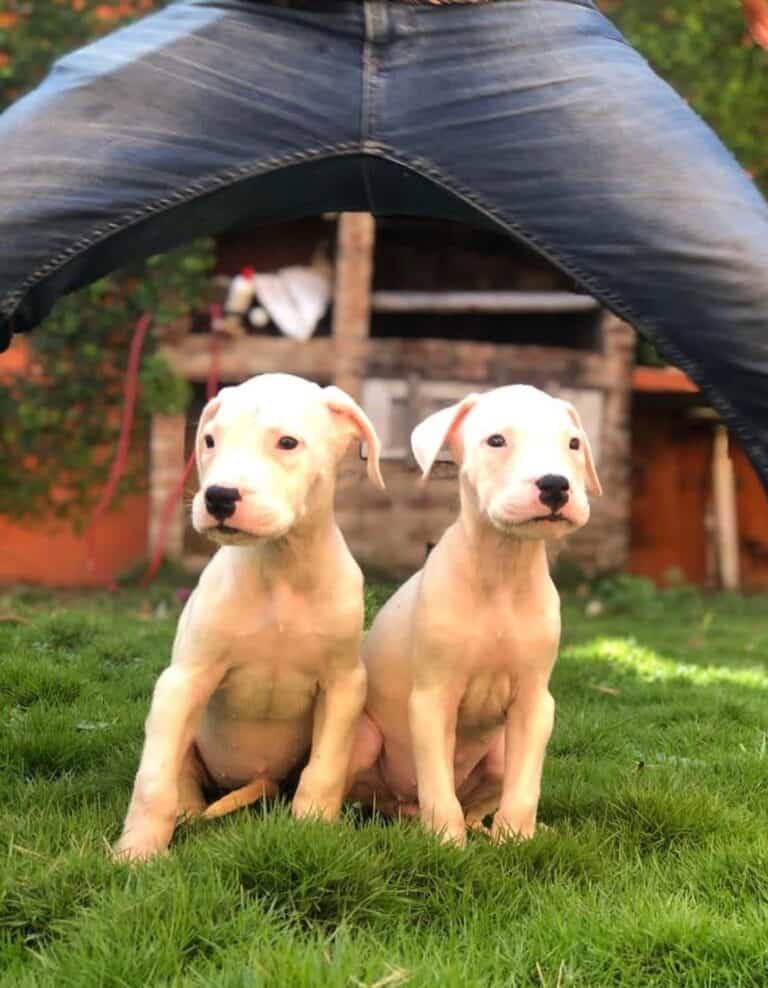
[[266, 667], [459, 712]]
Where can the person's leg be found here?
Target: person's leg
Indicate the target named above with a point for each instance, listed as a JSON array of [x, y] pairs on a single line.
[[538, 115], [185, 123]]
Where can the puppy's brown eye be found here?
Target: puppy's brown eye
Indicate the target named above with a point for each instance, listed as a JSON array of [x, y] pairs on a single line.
[[575, 444], [496, 440], [209, 442], [287, 442]]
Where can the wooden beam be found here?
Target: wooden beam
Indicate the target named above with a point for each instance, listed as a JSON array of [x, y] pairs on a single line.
[[489, 302], [242, 357], [352, 297], [726, 512], [476, 362], [166, 462]]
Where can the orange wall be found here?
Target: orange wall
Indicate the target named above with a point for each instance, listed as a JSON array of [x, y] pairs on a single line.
[[51, 554], [48, 552], [671, 495]]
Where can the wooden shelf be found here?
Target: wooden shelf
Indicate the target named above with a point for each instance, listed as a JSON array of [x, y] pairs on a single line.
[[317, 358], [505, 303]]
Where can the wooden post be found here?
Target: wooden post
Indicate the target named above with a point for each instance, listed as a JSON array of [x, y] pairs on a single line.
[[726, 517], [166, 461], [352, 298]]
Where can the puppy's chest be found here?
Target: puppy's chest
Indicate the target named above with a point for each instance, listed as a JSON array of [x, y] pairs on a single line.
[[276, 661], [265, 689], [494, 666], [487, 696]]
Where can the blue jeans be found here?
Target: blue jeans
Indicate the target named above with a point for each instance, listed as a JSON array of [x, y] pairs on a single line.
[[531, 116]]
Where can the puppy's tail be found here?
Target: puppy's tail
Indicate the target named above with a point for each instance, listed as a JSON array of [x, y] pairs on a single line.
[[244, 796]]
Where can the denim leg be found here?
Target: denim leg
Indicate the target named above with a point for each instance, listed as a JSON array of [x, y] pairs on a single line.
[[166, 130], [539, 114]]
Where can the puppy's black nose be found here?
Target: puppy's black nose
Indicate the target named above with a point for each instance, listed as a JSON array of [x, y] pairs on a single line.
[[554, 490], [220, 501]]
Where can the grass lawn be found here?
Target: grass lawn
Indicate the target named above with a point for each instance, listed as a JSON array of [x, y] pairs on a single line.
[[654, 870]]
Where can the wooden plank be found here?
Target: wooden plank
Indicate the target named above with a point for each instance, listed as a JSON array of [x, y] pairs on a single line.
[[752, 506], [662, 380], [486, 364], [488, 302], [725, 511], [242, 357], [478, 363], [352, 298], [166, 463], [671, 485]]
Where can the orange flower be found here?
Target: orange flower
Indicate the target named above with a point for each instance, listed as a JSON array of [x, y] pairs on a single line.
[[5, 59], [8, 19], [105, 13]]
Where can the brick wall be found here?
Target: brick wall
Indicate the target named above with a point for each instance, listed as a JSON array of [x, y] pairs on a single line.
[[390, 529]]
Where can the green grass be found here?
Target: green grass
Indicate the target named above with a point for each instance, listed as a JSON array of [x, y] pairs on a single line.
[[654, 870]]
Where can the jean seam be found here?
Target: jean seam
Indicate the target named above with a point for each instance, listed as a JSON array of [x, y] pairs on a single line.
[[615, 302], [179, 197], [367, 113], [431, 171]]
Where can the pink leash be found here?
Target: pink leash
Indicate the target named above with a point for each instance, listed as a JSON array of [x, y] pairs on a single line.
[[121, 456]]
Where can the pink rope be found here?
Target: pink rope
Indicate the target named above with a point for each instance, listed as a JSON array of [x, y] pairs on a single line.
[[123, 446], [211, 387]]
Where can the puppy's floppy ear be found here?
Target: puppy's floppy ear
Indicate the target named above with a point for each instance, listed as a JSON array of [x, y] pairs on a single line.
[[429, 436], [207, 414], [358, 424], [593, 481]]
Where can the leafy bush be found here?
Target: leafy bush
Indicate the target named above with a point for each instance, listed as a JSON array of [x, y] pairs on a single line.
[[623, 593], [59, 420], [163, 391], [702, 49]]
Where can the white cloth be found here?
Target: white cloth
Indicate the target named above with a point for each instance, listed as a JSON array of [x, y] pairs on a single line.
[[296, 299]]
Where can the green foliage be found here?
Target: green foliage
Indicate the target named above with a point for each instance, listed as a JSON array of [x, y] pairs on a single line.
[[703, 51], [654, 871], [623, 593], [163, 391], [59, 423], [33, 33]]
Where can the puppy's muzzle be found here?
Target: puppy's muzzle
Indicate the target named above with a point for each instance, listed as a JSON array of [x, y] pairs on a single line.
[[553, 490], [220, 501]]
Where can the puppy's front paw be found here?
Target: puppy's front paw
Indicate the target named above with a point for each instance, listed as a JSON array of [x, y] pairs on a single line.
[[142, 841], [313, 799], [307, 807], [513, 827], [447, 821], [134, 850]]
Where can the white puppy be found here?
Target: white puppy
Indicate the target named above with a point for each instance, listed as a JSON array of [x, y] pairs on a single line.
[[459, 711], [266, 662]]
